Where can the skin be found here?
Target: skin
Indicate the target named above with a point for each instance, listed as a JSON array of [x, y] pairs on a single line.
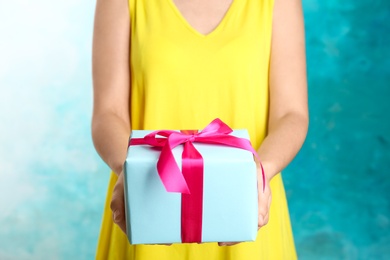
[[288, 114]]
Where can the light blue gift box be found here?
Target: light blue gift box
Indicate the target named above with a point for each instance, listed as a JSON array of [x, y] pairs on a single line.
[[153, 215]]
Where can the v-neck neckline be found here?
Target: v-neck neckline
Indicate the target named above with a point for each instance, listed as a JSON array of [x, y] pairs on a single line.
[[195, 31]]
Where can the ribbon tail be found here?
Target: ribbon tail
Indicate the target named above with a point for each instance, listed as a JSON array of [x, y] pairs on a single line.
[[262, 174], [169, 172], [192, 204]]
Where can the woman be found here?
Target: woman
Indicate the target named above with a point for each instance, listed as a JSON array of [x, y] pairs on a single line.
[[176, 64]]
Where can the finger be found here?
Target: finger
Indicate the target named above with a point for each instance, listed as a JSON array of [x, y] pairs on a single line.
[[117, 204], [260, 221], [228, 243], [264, 200], [263, 211], [266, 218], [269, 201]]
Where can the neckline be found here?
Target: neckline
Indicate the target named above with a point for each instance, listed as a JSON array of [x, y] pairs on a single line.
[[195, 31]]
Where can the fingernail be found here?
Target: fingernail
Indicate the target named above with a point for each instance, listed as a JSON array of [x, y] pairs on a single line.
[[116, 215]]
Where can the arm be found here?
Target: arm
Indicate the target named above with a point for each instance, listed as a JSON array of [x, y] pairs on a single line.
[[111, 84], [288, 114]]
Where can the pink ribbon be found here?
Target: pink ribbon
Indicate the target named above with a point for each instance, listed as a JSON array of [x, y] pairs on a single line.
[[192, 204], [217, 132]]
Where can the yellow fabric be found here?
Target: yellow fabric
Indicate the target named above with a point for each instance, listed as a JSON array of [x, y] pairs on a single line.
[[181, 79]]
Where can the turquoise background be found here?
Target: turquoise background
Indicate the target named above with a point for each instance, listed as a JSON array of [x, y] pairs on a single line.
[[52, 183], [338, 186]]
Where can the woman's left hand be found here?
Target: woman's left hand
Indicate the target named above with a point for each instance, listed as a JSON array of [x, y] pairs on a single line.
[[264, 198], [264, 203]]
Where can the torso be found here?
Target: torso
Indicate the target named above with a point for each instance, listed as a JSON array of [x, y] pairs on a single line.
[[190, 63]]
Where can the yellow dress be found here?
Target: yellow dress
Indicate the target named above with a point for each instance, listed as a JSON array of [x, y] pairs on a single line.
[[181, 79]]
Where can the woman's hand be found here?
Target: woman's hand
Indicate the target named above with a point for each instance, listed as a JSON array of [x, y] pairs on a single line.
[[118, 204], [264, 198], [264, 203]]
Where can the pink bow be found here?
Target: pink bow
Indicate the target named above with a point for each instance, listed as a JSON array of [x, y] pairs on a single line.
[[217, 132]]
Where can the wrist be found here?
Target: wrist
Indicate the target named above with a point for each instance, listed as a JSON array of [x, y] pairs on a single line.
[[117, 168], [268, 169]]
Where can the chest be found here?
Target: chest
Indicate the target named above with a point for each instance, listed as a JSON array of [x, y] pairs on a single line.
[[165, 37], [203, 15]]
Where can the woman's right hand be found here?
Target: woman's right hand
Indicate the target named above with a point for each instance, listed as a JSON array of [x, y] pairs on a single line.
[[118, 204]]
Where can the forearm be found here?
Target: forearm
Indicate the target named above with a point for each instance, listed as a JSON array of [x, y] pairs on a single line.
[[285, 138], [288, 106], [110, 136]]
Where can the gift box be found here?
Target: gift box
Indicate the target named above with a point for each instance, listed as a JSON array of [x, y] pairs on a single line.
[[189, 187]]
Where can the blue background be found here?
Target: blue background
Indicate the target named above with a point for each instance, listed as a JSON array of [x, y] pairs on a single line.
[[53, 185]]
